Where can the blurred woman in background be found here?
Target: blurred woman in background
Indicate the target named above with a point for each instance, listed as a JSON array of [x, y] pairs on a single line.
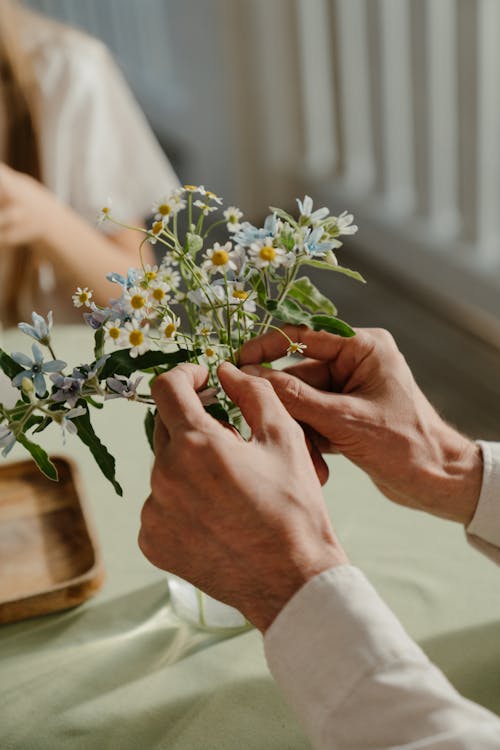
[[72, 138]]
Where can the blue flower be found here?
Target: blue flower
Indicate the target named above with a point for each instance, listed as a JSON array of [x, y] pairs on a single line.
[[122, 387], [248, 233], [128, 282], [67, 424], [67, 389], [7, 439], [314, 246], [41, 328], [97, 317], [35, 368]]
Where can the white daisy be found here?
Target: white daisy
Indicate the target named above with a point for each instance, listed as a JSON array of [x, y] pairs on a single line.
[[82, 297], [296, 348], [170, 277], [169, 327], [264, 254], [136, 298], [219, 258], [158, 293], [148, 275], [155, 231], [213, 197], [204, 207], [137, 338], [113, 331], [232, 216]]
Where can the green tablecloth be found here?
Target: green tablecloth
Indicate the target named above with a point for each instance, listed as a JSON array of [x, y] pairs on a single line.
[[123, 672]]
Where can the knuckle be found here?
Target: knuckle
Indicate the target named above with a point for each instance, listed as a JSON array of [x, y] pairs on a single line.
[[290, 389]]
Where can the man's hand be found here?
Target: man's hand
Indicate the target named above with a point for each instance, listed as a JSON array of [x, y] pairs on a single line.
[[243, 521], [360, 398]]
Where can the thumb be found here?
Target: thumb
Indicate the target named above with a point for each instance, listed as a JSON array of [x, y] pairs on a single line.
[[313, 407]]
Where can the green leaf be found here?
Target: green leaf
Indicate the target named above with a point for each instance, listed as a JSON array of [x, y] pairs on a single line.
[[40, 457], [8, 365], [104, 459], [288, 311], [43, 425], [332, 325], [121, 363], [260, 288], [99, 343], [284, 215], [217, 411], [149, 426], [304, 291], [338, 269]]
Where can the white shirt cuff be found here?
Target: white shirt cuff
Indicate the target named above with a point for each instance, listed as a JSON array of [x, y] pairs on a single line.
[[485, 523]]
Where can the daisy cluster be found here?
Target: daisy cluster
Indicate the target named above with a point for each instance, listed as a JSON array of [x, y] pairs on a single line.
[[199, 303]]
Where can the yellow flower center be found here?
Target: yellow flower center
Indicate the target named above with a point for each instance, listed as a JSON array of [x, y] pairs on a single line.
[[158, 294], [83, 296], [240, 294], [114, 333], [136, 337], [137, 301], [164, 209], [170, 329], [191, 188], [157, 227], [267, 253], [105, 210], [209, 352], [220, 257], [150, 275]]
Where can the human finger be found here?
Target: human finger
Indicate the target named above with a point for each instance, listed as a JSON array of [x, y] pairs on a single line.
[[161, 437], [319, 463], [306, 404], [175, 395], [258, 402], [312, 371], [319, 344]]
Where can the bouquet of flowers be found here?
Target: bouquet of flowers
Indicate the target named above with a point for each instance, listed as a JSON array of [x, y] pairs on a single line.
[[199, 304]]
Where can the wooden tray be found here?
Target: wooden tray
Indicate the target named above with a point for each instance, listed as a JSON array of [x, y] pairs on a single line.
[[49, 559]]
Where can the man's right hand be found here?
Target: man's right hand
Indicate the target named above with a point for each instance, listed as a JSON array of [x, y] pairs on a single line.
[[359, 397]]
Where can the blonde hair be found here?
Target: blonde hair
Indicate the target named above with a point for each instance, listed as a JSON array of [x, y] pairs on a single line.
[[19, 94]]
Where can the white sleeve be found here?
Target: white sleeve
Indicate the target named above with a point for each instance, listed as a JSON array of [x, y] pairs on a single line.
[[97, 145], [358, 681], [483, 532]]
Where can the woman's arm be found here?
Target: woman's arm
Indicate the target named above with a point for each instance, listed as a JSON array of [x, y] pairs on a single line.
[[81, 255]]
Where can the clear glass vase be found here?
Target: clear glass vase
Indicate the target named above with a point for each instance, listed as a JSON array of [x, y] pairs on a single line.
[[201, 610]]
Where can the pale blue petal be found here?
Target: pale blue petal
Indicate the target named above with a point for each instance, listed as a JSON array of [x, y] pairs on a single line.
[[28, 330], [37, 354], [22, 359], [54, 366], [39, 382], [18, 379]]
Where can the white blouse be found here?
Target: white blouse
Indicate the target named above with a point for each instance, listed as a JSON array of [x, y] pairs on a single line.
[[95, 142]]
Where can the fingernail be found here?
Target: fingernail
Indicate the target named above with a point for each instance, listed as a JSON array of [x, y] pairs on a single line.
[[252, 370]]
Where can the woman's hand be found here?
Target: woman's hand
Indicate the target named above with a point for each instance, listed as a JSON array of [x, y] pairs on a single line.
[[26, 208]]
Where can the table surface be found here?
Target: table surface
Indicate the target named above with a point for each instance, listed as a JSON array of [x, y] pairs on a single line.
[[121, 671]]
